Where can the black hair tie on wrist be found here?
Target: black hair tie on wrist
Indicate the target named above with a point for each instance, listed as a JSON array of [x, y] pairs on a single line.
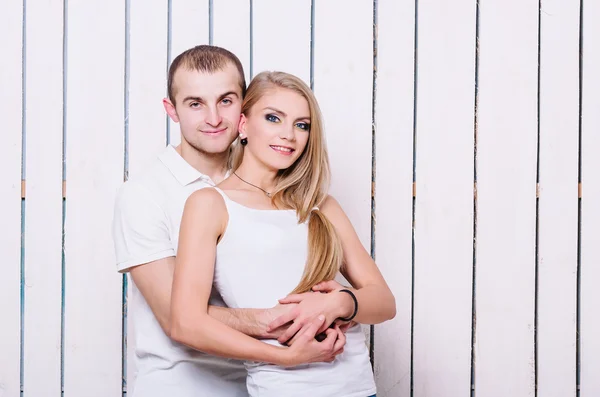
[[355, 305]]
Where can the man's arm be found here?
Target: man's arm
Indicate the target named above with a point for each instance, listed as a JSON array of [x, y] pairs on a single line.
[[155, 279]]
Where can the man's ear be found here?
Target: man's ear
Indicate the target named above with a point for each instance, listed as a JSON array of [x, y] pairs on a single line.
[[170, 109]]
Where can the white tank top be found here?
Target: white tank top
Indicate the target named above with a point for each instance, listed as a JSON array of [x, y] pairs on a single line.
[[260, 259]]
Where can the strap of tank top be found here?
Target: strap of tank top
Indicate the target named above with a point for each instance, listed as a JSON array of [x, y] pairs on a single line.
[[226, 199], [222, 193]]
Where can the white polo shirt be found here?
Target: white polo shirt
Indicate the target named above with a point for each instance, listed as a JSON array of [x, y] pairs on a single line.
[[146, 225]]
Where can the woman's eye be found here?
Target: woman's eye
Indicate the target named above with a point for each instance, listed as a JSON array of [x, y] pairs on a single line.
[[303, 126], [227, 101], [272, 118]]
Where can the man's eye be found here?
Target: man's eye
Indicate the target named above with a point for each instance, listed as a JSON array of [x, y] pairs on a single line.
[[272, 118], [303, 126], [227, 101], [194, 104]]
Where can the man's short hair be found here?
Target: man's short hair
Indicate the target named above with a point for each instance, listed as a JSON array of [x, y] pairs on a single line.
[[204, 58]]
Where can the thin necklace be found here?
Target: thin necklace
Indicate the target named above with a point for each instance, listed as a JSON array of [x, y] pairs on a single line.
[[258, 187]]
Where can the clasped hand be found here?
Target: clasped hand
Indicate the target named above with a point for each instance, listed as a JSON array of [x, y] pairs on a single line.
[[306, 308]]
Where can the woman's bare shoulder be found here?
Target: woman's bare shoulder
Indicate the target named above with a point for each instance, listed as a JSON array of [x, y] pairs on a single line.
[[206, 200]]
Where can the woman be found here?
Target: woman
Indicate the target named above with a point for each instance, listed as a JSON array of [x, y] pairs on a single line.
[[269, 230]]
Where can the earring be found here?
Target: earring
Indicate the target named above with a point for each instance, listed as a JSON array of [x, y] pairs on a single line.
[[244, 141]]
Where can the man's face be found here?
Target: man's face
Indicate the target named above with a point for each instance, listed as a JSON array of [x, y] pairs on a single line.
[[207, 107]]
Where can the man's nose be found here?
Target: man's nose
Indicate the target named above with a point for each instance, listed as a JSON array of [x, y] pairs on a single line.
[[213, 117]]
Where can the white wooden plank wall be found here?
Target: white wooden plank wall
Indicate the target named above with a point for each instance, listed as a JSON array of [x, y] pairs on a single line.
[[506, 203], [444, 199], [11, 18], [281, 37], [528, 314], [94, 171], [343, 78], [589, 348], [147, 82], [393, 189], [557, 218], [44, 203]]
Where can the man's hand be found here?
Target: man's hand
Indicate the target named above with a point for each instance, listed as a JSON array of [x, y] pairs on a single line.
[[307, 349], [309, 306], [269, 315]]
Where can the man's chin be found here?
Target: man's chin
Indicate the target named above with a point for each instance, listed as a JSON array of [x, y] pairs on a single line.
[[214, 151], [214, 147]]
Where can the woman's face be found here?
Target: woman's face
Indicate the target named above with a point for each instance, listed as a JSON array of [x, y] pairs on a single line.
[[277, 128]]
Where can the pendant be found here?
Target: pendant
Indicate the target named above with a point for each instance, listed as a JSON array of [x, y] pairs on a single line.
[[268, 194]]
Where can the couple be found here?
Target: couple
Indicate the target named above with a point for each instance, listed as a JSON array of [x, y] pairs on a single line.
[[233, 249]]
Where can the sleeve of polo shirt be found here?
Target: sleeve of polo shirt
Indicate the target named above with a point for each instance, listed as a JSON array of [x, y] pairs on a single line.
[[140, 228]]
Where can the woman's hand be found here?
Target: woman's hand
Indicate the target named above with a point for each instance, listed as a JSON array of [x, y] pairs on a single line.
[[309, 306], [307, 349], [328, 286]]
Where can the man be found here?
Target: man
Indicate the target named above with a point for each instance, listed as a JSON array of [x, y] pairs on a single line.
[[206, 86]]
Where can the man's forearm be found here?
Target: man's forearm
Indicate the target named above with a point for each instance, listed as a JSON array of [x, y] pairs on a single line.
[[252, 322]]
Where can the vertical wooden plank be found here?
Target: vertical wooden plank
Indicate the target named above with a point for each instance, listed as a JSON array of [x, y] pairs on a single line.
[[506, 207], [11, 19], [557, 219], [231, 29], [43, 221], [95, 79], [148, 82], [394, 103], [444, 198], [589, 347], [281, 37], [343, 85], [189, 28]]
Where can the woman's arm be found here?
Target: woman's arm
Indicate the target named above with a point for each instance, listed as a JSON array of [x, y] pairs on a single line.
[[204, 220], [376, 303]]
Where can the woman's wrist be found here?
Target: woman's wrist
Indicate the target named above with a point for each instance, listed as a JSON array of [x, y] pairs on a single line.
[[345, 304], [284, 356]]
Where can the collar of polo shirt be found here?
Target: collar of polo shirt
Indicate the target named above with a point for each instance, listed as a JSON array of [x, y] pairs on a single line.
[[181, 169]]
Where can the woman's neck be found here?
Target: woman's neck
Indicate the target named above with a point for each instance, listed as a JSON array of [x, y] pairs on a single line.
[[257, 174]]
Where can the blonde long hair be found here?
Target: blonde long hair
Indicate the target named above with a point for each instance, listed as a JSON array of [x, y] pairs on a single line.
[[304, 185]]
